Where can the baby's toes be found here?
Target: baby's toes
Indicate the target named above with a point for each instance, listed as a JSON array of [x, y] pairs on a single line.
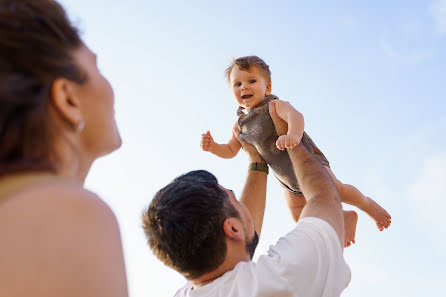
[[380, 227]]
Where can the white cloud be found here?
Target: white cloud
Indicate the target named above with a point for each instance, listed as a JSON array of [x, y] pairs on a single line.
[[438, 11], [428, 196]]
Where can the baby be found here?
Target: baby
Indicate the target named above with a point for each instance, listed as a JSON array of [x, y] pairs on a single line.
[[250, 80]]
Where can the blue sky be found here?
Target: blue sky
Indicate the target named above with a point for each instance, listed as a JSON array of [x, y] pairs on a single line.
[[369, 77]]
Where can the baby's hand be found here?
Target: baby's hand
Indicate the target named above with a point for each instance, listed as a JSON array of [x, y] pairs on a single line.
[[207, 142], [287, 141]]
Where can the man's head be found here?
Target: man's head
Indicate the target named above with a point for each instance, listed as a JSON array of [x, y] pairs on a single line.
[[250, 80], [188, 221]]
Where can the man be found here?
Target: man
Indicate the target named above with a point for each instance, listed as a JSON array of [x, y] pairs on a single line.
[[198, 228]]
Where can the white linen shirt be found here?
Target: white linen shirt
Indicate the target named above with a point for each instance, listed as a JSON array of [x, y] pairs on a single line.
[[307, 262]]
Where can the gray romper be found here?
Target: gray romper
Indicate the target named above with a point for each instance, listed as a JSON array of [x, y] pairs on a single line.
[[257, 129]]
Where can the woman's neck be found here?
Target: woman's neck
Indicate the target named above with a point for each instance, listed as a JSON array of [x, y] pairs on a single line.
[[73, 163]]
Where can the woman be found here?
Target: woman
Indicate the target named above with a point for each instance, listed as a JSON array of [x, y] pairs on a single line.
[[56, 118]]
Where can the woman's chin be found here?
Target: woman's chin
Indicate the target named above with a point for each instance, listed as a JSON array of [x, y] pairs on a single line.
[[114, 144]]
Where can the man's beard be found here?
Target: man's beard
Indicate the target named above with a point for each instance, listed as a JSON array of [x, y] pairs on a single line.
[[251, 245]]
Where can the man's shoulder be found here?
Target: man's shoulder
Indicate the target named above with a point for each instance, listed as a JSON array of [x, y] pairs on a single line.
[[317, 224], [290, 264], [183, 292], [233, 283], [310, 230]]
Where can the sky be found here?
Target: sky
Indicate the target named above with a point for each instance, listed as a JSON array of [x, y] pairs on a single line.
[[368, 76]]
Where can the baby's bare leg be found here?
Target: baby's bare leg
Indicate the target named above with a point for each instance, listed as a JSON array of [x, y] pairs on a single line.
[[296, 204], [351, 195], [350, 220]]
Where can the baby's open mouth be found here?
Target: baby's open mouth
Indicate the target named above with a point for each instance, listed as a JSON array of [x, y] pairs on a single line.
[[246, 96]]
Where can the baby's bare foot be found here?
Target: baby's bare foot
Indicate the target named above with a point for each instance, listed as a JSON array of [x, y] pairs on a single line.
[[378, 214], [350, 220]]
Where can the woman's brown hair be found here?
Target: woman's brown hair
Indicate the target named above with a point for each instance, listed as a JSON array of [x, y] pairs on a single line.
[[36, 45]]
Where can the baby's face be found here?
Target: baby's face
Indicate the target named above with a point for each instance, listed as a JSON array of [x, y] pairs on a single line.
[[249, 88]]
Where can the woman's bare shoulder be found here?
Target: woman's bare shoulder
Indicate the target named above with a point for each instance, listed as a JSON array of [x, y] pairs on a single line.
[[60, 207], [71, 232], [58, 198]]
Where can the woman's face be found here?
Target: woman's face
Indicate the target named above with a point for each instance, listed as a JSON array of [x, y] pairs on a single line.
[[100, 134]]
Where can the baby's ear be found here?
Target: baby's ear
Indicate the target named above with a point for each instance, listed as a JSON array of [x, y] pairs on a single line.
[[268, 89]]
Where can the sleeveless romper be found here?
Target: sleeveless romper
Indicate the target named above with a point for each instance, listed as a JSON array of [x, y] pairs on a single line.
[[257, 129]]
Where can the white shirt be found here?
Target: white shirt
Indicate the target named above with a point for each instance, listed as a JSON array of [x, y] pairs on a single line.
[[308, 261]]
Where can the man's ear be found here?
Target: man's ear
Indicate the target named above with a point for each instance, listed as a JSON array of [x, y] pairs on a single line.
[[268, 89], [66, 103], [233, 229]]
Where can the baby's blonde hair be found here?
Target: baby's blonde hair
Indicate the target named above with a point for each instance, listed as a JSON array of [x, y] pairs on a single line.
[[246, 64]]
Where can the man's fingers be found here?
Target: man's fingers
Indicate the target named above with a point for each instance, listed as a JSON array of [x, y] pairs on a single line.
[[279, 124], [272, 111], [236, 132]]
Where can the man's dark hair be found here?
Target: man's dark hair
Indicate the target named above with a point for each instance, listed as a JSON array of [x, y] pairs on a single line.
[[184, 223]]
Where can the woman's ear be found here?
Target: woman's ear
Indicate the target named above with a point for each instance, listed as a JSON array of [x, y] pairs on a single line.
[[233, 229], [66, 103]]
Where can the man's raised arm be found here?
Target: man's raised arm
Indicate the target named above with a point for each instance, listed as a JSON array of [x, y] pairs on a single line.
[[323, 200], [254, 191]]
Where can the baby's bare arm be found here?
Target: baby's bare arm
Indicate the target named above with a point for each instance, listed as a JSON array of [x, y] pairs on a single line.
[[295, 121], [227, 151]]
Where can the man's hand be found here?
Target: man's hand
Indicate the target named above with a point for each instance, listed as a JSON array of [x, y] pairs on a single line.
[[280, 125], [207, 142], [252, 152]]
